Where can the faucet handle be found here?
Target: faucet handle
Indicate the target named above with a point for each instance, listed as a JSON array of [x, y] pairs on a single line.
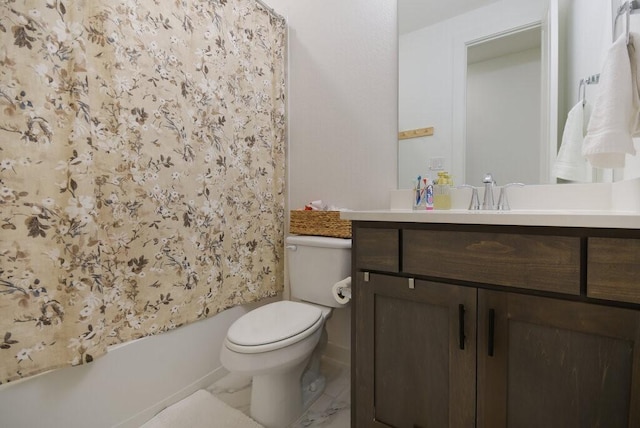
[[475, 200], [503, 201]]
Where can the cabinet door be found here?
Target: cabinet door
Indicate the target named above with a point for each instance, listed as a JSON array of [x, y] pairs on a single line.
[[553, 363], [415, 353]]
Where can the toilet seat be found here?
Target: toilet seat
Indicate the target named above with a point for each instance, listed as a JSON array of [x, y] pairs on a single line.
[[273, 326]]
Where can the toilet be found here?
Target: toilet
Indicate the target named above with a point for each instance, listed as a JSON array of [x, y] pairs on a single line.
[[279, 344]]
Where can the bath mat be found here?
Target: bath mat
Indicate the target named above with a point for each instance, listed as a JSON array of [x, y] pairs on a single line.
[[201, 410]]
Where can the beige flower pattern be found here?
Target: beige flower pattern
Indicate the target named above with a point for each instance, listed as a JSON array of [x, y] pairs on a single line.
[[142, 170]]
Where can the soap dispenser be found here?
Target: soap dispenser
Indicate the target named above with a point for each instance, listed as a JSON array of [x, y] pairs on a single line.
[[442, 191]]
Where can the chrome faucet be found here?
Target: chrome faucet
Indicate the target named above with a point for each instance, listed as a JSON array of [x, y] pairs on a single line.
[[503, 201], [489, 183], [474, 205]]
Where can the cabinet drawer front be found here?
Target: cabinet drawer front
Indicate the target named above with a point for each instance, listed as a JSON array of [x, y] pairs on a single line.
[[546, 263], [613, 269], [377, 249]]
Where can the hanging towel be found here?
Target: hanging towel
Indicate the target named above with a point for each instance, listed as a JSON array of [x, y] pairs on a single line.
[[634, 39], [615, 112], [570, 164]]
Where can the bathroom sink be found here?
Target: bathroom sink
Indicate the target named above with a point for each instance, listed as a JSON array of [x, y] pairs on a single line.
[[602, 205]]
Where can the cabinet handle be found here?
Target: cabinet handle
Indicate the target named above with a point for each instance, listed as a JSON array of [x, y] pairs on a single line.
[[491, 335], [461, 325]]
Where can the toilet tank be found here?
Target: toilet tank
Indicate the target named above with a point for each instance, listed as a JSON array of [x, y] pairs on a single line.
[[315, 263]]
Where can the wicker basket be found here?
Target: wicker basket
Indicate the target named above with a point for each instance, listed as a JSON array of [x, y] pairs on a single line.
[[320, 223]]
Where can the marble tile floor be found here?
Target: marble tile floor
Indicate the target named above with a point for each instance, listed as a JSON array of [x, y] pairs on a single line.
[[332, 409]]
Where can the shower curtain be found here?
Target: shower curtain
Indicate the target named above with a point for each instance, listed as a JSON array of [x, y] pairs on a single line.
[[142, 165]]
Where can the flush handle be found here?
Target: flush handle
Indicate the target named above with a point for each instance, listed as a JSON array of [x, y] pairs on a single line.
[[292, 247]]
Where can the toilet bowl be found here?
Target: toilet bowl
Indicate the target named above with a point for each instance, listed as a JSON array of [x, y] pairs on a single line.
[[279, 344]]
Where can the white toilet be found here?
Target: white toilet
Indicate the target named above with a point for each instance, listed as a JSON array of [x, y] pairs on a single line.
[[274, 343]]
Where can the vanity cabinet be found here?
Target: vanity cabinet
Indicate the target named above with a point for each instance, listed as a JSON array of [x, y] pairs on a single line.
[[408, 375], [494, 326], [546, 362]]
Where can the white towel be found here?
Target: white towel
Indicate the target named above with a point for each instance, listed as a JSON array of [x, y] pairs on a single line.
[[201, 410], [634, 58], [570, 164], [615, 112]]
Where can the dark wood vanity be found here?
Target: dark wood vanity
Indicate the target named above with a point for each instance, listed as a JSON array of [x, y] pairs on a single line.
[[462, 325]]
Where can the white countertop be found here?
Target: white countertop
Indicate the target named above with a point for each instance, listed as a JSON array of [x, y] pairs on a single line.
[[553, 218], [566, 205]]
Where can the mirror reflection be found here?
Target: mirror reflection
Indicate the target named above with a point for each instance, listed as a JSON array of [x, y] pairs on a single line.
[[496, 80], [504, 111]]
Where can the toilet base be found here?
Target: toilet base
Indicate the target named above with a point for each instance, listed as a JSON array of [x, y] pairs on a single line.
[[276, 399], [312, 390], [313, 381]]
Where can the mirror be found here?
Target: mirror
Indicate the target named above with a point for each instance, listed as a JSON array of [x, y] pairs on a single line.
[[455, 56], [504, 108]]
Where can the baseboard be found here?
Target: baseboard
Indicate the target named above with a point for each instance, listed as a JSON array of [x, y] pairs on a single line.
[[148, 413], [338, 354]]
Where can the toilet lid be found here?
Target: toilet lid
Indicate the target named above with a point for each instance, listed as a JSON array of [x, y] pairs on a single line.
[[273, 323]]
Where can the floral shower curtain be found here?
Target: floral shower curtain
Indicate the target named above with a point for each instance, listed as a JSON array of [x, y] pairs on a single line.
[[141, 170]]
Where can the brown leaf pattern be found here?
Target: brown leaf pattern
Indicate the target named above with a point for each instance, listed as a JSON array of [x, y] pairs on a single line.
[[141, 170]]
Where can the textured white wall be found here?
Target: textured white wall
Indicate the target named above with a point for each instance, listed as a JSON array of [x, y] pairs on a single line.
[[343, 84], [588, 36], [342, 101]]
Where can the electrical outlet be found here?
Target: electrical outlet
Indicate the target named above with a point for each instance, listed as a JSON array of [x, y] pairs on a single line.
[[436, 164]]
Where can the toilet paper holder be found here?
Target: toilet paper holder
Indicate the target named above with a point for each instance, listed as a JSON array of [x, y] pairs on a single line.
[[341, 290]]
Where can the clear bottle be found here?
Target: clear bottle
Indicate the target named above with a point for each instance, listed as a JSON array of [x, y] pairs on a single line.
[[442, 191]]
